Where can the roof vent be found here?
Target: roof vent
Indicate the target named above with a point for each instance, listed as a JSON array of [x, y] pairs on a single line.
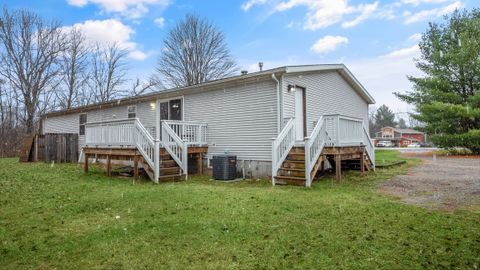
[[244, 72]]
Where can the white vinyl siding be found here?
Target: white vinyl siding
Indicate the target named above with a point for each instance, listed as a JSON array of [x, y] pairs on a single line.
[[326, 93], [69, 123], [241, 119]]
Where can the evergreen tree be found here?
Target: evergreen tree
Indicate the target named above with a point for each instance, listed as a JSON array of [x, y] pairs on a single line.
[[384, 117], [402, 123], [447, 98]]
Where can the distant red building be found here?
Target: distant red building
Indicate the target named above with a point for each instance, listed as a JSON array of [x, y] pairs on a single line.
[[399, 136]]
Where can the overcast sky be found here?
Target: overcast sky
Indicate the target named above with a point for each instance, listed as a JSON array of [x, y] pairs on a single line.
[[377, 40]]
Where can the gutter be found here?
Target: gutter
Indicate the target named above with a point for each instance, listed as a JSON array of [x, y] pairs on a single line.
[[278, 102]]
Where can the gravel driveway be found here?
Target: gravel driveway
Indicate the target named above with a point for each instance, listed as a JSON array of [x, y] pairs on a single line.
[[441, 183]]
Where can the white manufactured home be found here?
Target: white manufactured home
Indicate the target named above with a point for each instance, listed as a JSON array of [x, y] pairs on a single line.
[[284, 123]]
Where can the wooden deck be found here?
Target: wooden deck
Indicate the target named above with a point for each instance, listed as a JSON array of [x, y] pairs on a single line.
[[169, 170], [292, 170]]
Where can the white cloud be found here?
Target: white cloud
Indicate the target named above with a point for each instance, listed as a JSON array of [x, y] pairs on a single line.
[[415, 37], [137, 55], [367, 10], [381, 75], [128, 8], [385, 74], [250, 3], [419, 2], [323, 13], [404, 52], [431, 13], [160, 22], [328, 44], [108, 32], [78, 3]]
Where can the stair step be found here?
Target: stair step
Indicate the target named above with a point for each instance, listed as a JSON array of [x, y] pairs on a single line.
[[165, 157], [169, 171], [292, 169], [290, 180], [173, 177], [293, 153], [294, 164], [296, 156], [299, 150], [292, 174], [168, 163]]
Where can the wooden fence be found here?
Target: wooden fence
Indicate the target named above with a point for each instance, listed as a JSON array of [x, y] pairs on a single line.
[[58, 147]]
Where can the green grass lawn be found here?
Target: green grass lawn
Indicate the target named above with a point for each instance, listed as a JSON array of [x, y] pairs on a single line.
[[58, 217], [386, 156]]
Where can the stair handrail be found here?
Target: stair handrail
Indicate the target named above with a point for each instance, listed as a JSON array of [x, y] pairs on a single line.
[[148, 147], [176, 147], [193, 132], [282, 145], [367, 141], [314, 145]]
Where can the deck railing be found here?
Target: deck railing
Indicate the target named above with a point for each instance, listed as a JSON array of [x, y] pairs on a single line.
[[330, 130], [146, 144], [314, 145], [367, 141], [119, 133], [281, 146], [125, 133], [175, 146], [193, 133], [344, 130]]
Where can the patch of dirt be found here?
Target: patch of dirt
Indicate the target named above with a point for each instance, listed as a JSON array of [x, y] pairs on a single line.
[[440, 184]]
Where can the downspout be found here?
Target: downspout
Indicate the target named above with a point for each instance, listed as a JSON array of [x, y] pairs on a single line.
[[281, 103], [278, 103]]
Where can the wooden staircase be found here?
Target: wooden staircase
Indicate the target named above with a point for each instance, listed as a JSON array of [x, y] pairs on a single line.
[[169, 169], [292, 171]]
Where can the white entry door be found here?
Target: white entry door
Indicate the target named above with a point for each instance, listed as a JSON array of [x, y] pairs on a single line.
[[299, 114]]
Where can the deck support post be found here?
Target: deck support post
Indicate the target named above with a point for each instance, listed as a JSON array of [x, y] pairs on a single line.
[[200, 164], [109, 165], [85, 163], [135, 168], [362, 162], [338, 168]]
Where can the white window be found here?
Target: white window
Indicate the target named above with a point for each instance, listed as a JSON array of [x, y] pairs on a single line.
[[81, 123], [132, 111]]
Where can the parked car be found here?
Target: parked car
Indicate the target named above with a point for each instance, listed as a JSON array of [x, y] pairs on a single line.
[[384, 144], [414, 145]]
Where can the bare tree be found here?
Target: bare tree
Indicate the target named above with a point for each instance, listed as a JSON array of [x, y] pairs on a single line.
[[107, 72], [11, 130], [139, 87], [194, 51], [29, 56], [74, 64]]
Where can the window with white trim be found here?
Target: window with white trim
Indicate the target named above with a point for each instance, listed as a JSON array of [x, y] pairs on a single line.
[[132, 111], [82, 120]]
